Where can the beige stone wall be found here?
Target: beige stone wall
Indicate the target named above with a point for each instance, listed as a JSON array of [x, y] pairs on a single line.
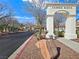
[[68, 10], [52, 9]]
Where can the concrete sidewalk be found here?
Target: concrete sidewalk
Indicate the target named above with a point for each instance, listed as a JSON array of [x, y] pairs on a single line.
[[70, 43], [56, 50]]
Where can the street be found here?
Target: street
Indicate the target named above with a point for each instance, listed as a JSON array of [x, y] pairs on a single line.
[[10, 42]]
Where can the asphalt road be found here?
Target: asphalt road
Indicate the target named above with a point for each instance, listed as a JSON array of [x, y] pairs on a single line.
[[10, 42]]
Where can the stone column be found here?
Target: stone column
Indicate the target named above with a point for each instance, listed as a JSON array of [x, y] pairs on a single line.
[[70, 28], [50, 26]]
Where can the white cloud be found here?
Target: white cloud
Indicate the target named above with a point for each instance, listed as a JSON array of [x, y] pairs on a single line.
[[25, 19], [20, 17], [24, 0], [28, 0], [77, 14]]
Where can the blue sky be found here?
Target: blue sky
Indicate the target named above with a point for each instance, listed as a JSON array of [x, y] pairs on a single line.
[[17, 6], [19, 11]]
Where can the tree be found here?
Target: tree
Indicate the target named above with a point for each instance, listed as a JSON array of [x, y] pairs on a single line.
[[37, 11], [7, 21], [5, 14], [35, 7], [59, 22]]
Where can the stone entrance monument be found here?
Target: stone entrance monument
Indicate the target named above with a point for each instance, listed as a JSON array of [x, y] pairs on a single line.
[[69, 11]]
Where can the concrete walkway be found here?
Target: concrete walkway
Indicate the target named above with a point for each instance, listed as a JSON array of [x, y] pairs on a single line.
[[70, 43], [56, 49]]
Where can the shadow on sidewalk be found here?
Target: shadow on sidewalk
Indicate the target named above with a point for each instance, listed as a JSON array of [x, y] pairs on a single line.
[[58, 53]]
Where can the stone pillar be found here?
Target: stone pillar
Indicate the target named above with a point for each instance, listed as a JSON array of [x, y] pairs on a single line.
[[50, 26], [70, 28]]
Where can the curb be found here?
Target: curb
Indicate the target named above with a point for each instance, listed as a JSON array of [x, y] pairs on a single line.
[[19, 51]]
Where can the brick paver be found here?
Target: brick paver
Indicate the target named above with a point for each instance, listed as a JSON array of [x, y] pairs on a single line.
[[31, 51], [56, 49], [65, 52]]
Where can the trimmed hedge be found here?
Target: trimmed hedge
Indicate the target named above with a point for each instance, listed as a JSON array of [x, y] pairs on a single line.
[[78, 33], [59, 33]]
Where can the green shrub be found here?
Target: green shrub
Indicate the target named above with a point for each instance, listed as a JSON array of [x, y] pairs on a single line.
[[78, 33], [61, 34]]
